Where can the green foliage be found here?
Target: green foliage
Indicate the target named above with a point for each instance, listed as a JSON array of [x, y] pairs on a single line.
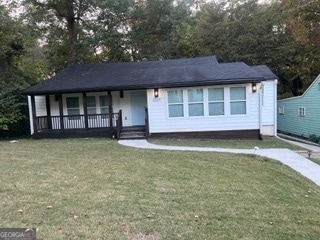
[[303, 24], [91, 31], [87, 31], [314, 138], [249, 32], [284, 35], [152, 25], [19, 68]]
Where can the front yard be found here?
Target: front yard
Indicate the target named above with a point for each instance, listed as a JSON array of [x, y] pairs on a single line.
[[97, 189]]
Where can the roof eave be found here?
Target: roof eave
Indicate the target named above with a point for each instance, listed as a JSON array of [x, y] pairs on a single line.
[[146, 86]]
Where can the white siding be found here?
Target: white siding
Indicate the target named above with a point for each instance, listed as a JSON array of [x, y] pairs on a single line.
[[118, 103], [30, 116], [54, 105], [125, 105], [41, 110], [268, 102], [160, 122]]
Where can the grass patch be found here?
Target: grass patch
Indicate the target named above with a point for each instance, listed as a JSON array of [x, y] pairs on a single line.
[[97, 189], [316, 160], [217, 143]]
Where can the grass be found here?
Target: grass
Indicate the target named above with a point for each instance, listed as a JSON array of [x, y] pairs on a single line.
[[316, 160], [242, 144], [97, 189]]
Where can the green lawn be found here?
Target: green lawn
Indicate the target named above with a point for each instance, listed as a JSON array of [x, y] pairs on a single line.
[[97, 189], [243, 144]]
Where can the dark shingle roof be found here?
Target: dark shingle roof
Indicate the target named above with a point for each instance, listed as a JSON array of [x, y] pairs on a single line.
[[265, 72], [144, 75]]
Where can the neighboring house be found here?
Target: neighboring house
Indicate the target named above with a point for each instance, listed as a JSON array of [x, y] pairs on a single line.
[[300, 115], [184, 97]]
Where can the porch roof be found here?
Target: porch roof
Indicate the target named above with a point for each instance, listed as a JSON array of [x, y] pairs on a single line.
[[150, 74]]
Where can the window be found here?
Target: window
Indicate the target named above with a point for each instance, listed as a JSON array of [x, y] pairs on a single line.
[[216, 101], [302, 112], [195, 102], [104, 105], [237, 100], [91, 105], [73, 107], [281, 110], [175, 103]]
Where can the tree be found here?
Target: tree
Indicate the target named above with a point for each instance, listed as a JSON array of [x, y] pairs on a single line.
[[80, 31], [303, 24], [152, 26], [18, 69], [245, 31], [11, 47]]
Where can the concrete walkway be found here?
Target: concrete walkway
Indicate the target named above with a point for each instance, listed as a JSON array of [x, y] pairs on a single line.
[[294, 160]]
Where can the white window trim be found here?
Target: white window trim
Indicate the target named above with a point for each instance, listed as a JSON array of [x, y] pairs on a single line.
[[65, 106], [230, 101], [227, 102], [281, 110], [95, 107], [200, 102], [99, 106], [302, 111], [184, 109], [221, 101]]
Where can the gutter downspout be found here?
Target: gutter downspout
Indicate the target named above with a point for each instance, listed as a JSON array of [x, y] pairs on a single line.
[[275, 106], [260, 111]]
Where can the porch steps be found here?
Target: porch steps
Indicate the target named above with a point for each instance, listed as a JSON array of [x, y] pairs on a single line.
[[135, 132]]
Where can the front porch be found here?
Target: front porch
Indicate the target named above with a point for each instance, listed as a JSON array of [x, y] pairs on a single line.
[[53, 116], [93, 125]]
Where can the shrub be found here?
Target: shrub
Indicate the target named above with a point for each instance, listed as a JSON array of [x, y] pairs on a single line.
[[314, 138]]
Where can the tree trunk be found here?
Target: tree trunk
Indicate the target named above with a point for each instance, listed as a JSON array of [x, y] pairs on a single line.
[[72, 35]]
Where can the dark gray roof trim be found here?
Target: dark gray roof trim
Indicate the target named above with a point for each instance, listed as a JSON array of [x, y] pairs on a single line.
[[152, 74]]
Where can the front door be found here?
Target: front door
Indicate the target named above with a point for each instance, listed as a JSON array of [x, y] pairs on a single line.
[[138, 105]]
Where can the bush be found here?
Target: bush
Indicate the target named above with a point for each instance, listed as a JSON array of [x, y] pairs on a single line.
[[314, 138]]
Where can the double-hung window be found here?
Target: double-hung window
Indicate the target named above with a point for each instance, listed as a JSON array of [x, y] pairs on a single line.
[[216, 101], [91, 105], [281, 110], [195, 102], [238, 100], [302, 112], [175, 103], [104, 105], [73, 108]]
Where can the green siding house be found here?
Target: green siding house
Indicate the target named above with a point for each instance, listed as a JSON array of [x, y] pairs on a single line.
[[300, 115]]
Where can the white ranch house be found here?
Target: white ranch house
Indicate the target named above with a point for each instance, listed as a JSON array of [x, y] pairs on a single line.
[[195, 97]]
